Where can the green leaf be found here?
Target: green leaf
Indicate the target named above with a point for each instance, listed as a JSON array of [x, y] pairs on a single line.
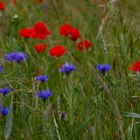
[[131, 115], [8, 125], [9, 121]]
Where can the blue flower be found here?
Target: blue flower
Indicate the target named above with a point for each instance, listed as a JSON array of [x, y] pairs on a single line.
[[45, 94], [1, 90], [42, 78], [67, 68], [15, 57], [1, 68], [4, 111], [103, 67], [5, 90]]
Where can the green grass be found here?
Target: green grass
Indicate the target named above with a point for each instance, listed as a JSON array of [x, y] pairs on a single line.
[[97, 107]]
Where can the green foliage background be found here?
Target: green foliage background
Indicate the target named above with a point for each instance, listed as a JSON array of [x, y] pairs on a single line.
[[97, 107]]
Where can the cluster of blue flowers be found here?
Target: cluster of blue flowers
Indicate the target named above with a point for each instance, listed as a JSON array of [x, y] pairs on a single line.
[[15, 57], [44, 94], [67, 68], [11, 57], [103, 67], [42, 78], [4, 110], [5, 90]]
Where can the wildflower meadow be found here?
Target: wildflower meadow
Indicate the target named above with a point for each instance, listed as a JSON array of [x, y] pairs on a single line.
[[69, 70]]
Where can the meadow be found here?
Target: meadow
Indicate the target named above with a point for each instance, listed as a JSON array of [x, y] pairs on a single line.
[[69, 70]]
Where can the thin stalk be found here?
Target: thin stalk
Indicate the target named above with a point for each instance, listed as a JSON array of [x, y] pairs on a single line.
[[22, 99], [56, 127], [21, 86]]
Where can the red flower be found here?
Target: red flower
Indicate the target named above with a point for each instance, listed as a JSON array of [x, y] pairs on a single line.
[[65, 30], [39, 30], [40, 47], [2, 6], [74, 34], [69, 31], [27, 32], [83, 45], [135, 66], [57, 51]]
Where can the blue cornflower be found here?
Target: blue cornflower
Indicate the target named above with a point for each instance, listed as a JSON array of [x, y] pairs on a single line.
[[45, 94], [1, 90], [67, 68], [15, 57], [5, 90], [1, 68], [103, 67], [42, 78], [4, 111]]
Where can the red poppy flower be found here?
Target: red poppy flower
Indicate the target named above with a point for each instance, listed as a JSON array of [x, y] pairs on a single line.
[[57, 51], [82, 45], [64, 30], [40, 47], [39, 30], [74, 34], [2, 6], [135, 66], [27, 32], [69, 31]]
